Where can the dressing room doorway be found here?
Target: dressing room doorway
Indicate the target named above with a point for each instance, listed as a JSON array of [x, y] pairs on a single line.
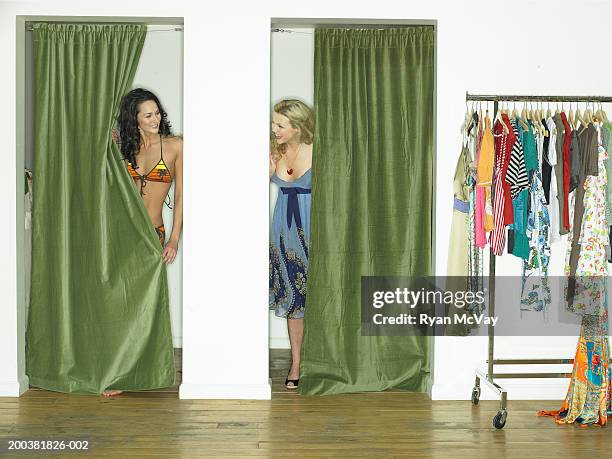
[[159, 69], [293, 73]]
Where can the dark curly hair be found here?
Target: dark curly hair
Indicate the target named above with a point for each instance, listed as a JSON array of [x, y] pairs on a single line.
[[128, 123]]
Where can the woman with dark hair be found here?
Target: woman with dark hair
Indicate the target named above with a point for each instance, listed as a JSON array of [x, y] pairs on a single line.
[[154, 158]]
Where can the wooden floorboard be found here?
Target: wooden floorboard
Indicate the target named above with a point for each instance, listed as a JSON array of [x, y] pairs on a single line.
[[387, 424]]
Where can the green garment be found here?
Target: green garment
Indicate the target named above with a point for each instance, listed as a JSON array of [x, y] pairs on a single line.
[[372, 195], [99, 315], [530, 149], [521, 214]]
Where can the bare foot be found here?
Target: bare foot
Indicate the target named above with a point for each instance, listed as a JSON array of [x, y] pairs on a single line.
[[111, 393]]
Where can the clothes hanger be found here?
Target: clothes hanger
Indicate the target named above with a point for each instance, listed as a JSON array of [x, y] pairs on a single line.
[[499, 119], [599, 113], [532, 117], [578, 119], [539, 114], [523, 117], [548, 112], [543, 120], [570, 116], [466, 120], [588, 115], [602, 113]]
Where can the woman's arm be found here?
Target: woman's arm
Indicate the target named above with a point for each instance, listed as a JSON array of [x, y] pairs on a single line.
[[272, 166], [172, 246]]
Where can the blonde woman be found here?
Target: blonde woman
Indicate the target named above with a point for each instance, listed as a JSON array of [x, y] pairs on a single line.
[[290, 169]]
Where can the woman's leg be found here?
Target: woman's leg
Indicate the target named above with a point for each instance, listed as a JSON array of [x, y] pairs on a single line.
[[296, 333]]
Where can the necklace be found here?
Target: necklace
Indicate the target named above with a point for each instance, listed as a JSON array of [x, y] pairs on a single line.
[[290, 169]]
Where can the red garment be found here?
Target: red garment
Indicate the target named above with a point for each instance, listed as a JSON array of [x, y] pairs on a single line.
[[503, 213], [567, 141]]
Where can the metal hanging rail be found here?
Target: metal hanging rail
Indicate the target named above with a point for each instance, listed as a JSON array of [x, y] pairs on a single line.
[[488, 378], [514, 98]]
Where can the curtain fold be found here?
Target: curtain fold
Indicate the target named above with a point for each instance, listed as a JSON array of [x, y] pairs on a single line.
[[372, 202], [99, 315]]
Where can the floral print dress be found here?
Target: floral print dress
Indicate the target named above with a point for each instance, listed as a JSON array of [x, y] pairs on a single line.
[[535, 294], [289, 240], [588, 397]]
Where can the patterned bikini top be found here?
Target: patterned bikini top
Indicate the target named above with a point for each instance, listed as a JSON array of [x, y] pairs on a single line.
[[159, 173]]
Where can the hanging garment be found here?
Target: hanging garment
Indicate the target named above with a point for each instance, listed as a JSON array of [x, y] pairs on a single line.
[[553, 206], [459, 249], [516, 177], [588, 396], [574, 162], [588, 144], [535, 290], [502, 204], [606, 143], [27, 237], [567, 140], [520, 203], [559, 145], [486, 161], [480, 233], [475, 261], [289, 239], [545, 165], [517, 172]]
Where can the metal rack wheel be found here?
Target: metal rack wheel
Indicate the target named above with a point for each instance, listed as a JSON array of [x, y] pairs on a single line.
[[499, 420], [475, 395]]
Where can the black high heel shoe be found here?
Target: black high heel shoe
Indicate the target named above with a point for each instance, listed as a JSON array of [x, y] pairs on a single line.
[[293, 381]]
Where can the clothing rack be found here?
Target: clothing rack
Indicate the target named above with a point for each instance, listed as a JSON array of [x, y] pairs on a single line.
[[489, 378]]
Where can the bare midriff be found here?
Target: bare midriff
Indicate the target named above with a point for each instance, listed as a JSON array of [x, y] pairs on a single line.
[[153, 195]]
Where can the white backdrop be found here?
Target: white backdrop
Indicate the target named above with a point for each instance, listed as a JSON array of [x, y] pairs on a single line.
[[488, 47]]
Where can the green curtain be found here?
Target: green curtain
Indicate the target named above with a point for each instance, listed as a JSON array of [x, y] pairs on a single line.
[[372, 196], [99, 314]]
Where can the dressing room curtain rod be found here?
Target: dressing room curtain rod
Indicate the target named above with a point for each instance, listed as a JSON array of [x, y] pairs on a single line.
[[150, 28], [291, 29], [500, 98], [277, 30]]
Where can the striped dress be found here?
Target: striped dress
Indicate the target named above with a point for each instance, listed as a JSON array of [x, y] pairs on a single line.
[[502, 201]]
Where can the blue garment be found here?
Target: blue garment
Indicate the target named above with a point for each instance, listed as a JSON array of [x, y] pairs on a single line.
[[289, 240]]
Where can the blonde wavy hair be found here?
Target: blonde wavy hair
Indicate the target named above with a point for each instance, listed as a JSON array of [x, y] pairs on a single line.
[[300, 117]]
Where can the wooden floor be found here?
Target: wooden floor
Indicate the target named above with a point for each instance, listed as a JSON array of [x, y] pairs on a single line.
[[367, 425]]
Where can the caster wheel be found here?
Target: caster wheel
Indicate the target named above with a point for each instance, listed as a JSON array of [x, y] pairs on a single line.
[[475, 395], [499, 421]]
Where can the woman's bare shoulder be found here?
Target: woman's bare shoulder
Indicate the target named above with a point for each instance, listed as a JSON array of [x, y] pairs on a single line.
[[175, 143]]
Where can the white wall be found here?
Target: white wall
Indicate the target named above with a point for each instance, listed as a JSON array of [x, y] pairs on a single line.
[[489, 47], [291, 77]]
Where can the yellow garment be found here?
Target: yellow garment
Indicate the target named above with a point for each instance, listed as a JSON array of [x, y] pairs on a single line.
[[486, 160]]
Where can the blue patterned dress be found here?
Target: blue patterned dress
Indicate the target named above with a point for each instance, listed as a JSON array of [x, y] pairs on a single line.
[[289, 239]]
